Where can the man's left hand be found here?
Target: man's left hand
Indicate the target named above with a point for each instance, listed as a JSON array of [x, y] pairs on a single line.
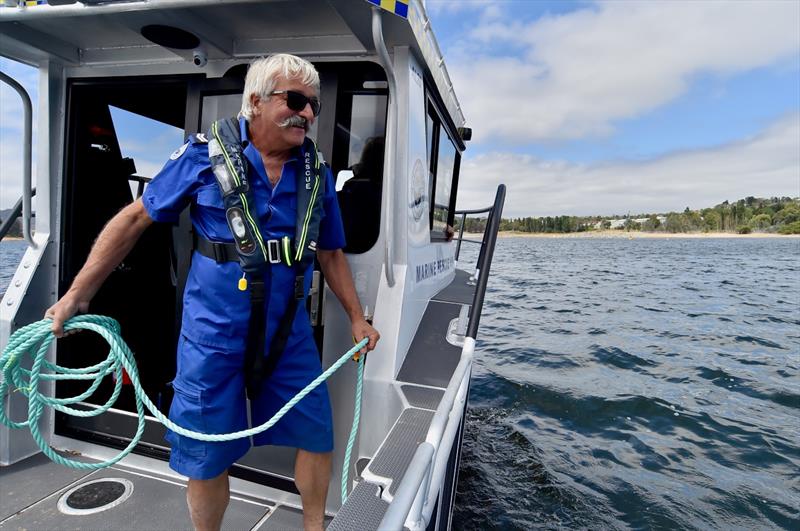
[[361, 329]]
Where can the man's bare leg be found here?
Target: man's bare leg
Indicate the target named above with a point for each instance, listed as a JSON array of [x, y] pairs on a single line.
[[208, 499], [312, 473]]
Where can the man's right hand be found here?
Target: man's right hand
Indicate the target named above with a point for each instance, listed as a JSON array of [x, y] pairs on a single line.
[[66, 307], [112, 245]]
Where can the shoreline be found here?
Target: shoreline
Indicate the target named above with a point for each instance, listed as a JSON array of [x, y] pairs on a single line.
[[633, 235]]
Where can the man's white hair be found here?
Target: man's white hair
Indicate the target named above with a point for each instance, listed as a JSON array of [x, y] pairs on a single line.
[[264, 72]]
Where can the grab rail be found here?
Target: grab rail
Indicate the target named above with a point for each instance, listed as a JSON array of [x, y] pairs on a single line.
[[485, 260], [464, 214], [406, 492], [391, 138], [27, 187], [142, 181]]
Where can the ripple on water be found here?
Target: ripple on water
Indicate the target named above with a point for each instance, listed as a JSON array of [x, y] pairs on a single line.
[[757, 341], [639, 385]]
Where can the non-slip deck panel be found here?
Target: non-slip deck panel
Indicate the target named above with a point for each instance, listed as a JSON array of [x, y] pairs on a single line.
[[398, 449], [154, 504], [363, 510], [458, 291], [431, 360], [285, 518], [422, 397], [25, 483]]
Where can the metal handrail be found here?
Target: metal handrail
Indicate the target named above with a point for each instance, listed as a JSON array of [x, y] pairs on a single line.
[[391, 137], [411, 507], [397, 511], [486, 252], [464, 214], [26, 156], [485, 260], [142, 181], [16, 211]]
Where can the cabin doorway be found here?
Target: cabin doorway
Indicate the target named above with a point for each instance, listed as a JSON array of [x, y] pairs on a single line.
[[120, 131]]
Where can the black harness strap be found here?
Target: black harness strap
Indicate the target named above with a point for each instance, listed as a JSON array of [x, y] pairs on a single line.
[[283, 332], [217, 251], [255, 365]]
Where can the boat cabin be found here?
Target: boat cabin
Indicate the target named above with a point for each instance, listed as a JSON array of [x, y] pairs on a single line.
[[121, 85]]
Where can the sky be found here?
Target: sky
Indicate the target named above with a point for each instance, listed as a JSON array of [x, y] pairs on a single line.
[[585, 108], [599, 108]]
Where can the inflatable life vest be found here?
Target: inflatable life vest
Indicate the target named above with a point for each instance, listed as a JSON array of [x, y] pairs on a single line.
[[255, 254], [230, 170]]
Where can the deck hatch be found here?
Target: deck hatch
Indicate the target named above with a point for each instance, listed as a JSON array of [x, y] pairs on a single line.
[[95, 496]]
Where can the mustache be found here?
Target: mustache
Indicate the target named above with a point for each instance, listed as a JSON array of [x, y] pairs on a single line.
[[295, 121]]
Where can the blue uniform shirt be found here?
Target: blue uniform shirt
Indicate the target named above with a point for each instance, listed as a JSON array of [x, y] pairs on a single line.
[[215, 312]]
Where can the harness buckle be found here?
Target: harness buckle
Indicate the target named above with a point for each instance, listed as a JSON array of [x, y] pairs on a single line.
[[273, 251]]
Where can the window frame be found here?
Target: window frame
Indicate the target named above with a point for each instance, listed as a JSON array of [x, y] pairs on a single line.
[[434, 115]]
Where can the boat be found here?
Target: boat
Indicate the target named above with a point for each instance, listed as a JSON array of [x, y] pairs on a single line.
[[109, 68]]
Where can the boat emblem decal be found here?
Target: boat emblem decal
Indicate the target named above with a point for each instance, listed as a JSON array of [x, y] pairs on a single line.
[[418, 191], [178, 152]]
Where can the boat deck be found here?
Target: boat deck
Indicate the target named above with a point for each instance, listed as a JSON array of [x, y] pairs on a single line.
[[31, 489]]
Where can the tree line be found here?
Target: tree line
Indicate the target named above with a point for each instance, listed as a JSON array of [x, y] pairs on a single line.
[[751, 214]]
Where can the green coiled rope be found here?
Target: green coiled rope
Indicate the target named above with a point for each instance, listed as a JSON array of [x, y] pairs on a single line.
[[35, 339]]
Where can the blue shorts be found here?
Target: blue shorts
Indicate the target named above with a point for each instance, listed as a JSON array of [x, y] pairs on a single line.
[[210, 398]]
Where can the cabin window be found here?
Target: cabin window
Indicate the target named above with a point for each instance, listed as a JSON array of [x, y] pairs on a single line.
[[147, 141], [446, 161], [218, 106], [430, 130], [367, 124], [358, 151], [443, 163]]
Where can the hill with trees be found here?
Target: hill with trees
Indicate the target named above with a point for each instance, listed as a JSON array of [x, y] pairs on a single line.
[[16, 229], [768, 215]]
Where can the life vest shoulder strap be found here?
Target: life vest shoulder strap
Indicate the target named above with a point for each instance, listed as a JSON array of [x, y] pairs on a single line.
[[230, 169], [310, 188]]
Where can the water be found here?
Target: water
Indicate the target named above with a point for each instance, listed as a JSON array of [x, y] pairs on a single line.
[[636, 384], [11, 252], [631, 384]]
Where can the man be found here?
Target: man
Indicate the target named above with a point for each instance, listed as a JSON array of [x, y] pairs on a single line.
[[279, 103]]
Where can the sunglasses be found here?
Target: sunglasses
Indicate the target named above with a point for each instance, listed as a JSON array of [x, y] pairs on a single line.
[[297, 101]]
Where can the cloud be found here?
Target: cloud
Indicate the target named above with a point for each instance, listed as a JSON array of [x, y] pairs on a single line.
[[10, 102], [766, 164], [450, 7], [573, 75]]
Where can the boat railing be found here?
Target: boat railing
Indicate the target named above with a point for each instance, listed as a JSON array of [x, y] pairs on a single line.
[[416, 496], [485, 256], [16, 211], [391, 132], [27, 138], [142, 181]]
